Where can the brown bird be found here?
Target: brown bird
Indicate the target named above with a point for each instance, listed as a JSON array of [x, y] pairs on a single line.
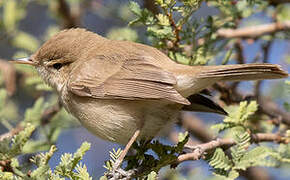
[[121, 90]]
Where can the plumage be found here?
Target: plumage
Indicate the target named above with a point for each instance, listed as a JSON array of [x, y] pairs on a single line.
[[117, 87], [135, 79]]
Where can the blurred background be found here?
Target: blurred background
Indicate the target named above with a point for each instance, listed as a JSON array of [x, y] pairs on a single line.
[[26, 24]]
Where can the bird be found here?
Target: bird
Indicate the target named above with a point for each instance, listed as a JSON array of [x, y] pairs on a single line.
[[123, 91]]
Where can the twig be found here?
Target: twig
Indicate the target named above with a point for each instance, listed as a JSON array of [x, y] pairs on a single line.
[[70, 20], [196, 127], [277, 2], [270, 108], [227, 94], [199, 150], [240, 52], [266, 49], [9, 74], [11, 133], [5, 166], [50, 112], [254, 31], [176, 29]]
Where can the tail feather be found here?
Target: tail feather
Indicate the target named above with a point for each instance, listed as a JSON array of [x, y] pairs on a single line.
[[242, 72]]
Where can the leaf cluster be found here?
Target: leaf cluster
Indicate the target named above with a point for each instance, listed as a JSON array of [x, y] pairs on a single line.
[[244, 154], [150, 156]]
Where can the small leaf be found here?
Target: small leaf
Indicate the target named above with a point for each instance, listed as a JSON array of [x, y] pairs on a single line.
[[9, 15], [25, 41], [135, 8], [152, 176]]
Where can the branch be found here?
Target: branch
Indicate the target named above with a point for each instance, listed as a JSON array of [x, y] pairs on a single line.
[[198, 153], [270, 108], [199, 150], [70, 20], [196, 127], [50, 112], [10, 76], [11, 133], [277, 2], [254, 31]]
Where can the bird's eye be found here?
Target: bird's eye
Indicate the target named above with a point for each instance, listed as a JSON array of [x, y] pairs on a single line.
[[57, 66]]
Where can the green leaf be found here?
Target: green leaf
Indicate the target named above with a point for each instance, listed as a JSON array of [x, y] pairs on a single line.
[[25, 41], [3, 97], [227, 56], [69, 162], [162, 20], [233, 174], [43, 170], [9, 15], [219, 160], [243, 142], [82, 172], [253, 158], [33, 115], [161, 33], [283, 12], [124, 34], [244, 111], [14, 147], [152, 176], [135, 8]]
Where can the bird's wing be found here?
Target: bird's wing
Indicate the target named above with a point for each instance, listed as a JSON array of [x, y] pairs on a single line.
[[134, 79]]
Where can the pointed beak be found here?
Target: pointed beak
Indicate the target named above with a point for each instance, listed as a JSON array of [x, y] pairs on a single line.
[[26, 60]]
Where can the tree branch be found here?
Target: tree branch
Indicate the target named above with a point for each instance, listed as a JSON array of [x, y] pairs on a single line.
[[11, 133], [199, 150], [10, 76], [70, 20], [254, 31]]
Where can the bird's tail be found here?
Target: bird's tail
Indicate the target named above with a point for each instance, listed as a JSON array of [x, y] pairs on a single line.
[[243, 72]]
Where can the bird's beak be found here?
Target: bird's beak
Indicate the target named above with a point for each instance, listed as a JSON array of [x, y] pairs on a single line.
[[26, 60]]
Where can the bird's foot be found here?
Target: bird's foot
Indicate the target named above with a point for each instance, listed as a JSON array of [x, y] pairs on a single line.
[[118, 173]]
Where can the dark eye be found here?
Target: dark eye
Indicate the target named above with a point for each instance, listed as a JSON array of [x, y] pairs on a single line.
[[57, 66]]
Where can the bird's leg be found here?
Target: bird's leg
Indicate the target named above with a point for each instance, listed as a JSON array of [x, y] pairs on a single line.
[[119, 161]]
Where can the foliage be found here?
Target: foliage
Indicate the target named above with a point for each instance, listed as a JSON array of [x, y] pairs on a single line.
[[177, 29], [69, 166], [243, 154], [163, 155]]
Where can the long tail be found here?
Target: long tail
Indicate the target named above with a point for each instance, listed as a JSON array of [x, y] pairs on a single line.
[[204, 76], [241, 72]]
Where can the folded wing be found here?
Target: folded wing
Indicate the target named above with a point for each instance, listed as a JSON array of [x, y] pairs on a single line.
[[135, 79]]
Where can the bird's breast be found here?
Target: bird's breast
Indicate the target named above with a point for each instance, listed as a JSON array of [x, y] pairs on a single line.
[[117, 120]]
